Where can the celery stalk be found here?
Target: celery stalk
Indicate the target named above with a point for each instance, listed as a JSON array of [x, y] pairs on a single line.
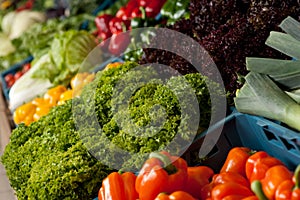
[[269, 101]]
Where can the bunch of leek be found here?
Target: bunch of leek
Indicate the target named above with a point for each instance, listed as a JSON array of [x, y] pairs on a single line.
[[272, 88]]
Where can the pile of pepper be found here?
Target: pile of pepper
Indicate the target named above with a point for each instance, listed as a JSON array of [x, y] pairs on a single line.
[[136, 13], [245, 175], [40, 106]]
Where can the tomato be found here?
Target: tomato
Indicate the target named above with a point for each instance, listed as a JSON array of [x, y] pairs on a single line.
[[10, 83], [18, 75], [26, 67], [8, 77]]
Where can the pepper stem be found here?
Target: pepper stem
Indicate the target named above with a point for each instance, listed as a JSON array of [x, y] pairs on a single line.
[[167, 162], [256, 187], [297, 177], [142, 9]]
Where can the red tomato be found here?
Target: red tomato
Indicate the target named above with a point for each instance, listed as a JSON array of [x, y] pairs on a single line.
[[18, 75], [10, 83], [26, 67], [8, 77]]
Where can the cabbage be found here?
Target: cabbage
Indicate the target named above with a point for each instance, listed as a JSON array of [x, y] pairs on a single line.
[[14, 24], [68, 51], [27, 88], [6, 46]]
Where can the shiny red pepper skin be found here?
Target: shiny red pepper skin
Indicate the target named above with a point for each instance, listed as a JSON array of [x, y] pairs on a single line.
[[118, 186], [221, 191], [178, 195], [118, 43], [236, 160], [117, 25], [154, 177], [289, 189], [153, 8], [224, 178], [102, 24], [198, 177], [273, 178], [258, 164]]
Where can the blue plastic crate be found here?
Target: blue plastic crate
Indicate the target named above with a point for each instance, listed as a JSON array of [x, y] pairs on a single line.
[[249, 131], [12, 70]]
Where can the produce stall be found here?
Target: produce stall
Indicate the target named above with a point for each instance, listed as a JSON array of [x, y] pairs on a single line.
[[150, 100]]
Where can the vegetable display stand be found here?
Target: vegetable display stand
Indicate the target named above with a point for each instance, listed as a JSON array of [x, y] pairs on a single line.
[[250, 131]]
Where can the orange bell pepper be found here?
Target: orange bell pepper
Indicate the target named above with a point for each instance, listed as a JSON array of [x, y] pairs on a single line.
[[222, 179], [118, 186], [236, 160], [198, 177], [239, 197], [289, 189], [273, 178], [161, 173], [221, 191], [178, 195], [226, 177], [258, 164]]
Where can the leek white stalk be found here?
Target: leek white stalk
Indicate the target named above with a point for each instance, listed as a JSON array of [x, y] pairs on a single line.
[[268, 100]]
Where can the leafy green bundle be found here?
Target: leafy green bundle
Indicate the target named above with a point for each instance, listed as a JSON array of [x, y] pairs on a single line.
[[47, 160]]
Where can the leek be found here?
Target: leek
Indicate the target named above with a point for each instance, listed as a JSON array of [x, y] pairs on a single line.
[[268, 100], [272, 88], [284, 72], [291, 27], [295, 94], [284, 43]]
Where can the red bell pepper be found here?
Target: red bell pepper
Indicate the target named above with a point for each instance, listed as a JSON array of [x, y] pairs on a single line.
[[224, 178], [118, 186], [239, 197], [153, 8], [221, 191], [118, 25], [205, 191], [198, 177], [178, 195], [118, 43], [102, 24], [258, 164], [236, 160], [289, 189], [121, 13], [161, 173], [26, 6], [273, 178], [125, 12]]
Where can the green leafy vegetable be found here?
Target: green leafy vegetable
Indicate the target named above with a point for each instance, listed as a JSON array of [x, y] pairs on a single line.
[[47, 160], [272, 86], [68, 50], [52, 157], [130, 128], [6, 46]]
